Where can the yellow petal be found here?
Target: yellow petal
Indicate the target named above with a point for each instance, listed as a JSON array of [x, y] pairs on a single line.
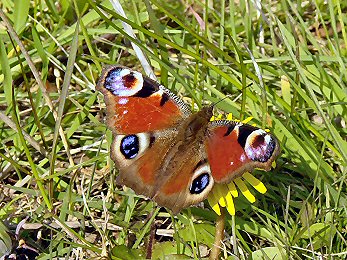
[[257, 184], [230, 204], [216, 209], [245, 191], [214, 203], [222, 202], [245, 121], [212, 118], [233, 189], [222, 191], [230, 116]]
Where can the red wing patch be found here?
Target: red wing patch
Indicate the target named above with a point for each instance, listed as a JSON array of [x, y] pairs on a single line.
[[135, 115], [150, 162], [138, 104]]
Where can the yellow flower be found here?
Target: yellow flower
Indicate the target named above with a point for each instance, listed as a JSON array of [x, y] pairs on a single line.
[[222, 194]]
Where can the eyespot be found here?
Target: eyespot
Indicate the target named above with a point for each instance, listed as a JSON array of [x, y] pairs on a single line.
[[200, 183], [129, 146], [202, 180], [260, 146], [123, 82]]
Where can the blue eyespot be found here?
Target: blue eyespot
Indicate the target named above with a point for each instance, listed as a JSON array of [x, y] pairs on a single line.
[[200, 183], [129, 146]]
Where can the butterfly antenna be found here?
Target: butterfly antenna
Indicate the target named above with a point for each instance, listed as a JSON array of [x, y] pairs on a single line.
[[214, 104], [228, 96], [250, 84]]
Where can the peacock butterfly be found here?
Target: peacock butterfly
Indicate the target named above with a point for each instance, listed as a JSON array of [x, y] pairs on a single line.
[[166, 152]]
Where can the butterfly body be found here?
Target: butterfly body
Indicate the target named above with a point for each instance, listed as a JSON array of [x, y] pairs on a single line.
[[166, 152]]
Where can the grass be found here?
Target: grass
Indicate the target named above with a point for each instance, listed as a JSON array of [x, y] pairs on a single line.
[[283, 63]]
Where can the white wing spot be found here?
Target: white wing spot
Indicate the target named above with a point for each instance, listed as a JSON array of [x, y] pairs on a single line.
[[123, 101]]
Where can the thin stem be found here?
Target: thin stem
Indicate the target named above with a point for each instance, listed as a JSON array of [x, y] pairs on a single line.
[[233, 233], [219, 236]]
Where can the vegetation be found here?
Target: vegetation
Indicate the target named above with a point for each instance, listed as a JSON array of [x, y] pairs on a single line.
[[281, 62]]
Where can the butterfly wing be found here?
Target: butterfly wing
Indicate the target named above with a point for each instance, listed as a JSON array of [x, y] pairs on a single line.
[[137, 104], [143, 116], [235, 148]]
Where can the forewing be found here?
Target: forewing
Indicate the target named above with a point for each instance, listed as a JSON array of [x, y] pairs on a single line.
[[137, 104]]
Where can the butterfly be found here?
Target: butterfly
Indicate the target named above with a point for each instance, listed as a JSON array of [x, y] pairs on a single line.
[[169, 154]]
